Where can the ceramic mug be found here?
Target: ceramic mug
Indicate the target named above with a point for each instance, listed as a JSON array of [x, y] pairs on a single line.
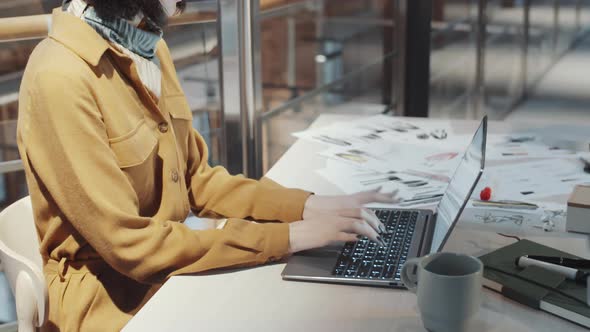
[[448, 287]]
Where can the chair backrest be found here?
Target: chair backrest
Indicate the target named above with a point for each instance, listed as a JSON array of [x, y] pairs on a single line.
[[22, 263]]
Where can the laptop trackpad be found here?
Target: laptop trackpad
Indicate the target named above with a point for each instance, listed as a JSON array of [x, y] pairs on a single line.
[[312, 263], [327, 251]]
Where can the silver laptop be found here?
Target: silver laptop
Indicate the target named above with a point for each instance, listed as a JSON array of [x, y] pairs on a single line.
[[410, 233]]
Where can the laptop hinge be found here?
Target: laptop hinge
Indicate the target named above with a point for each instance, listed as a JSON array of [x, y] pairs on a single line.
[[427, 235]]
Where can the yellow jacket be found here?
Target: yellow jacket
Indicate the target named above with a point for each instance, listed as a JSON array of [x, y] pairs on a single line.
[[112, 173]]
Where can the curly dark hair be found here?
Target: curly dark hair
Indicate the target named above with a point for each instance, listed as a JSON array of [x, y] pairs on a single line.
[[128, 9]]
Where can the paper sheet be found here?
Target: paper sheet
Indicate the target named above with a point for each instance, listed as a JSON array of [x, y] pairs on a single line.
[[547, 220], [410, 188], [531, 181], [395, 158], [507, 147], [381, 128]]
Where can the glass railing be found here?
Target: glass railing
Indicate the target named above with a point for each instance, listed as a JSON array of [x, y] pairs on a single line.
[[303, 58], [335, 54], [503, 56], [486, 55], [453, 58]]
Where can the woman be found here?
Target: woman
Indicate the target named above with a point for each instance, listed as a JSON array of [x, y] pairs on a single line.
[[113, 167]]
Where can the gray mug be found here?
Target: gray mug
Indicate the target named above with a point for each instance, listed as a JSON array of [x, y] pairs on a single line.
[[448, 287]]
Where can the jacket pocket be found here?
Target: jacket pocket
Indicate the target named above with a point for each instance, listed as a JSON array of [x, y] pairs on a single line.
[[181, 118], [178, 108], [134, 147]]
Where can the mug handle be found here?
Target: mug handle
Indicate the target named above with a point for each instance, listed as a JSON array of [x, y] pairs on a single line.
[[410, 280]]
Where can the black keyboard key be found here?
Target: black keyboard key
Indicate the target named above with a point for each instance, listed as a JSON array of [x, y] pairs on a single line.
[[357, 254], [389, 271], [375, 273], [350, 273], [364, 269], [379, 260], [356, 263]]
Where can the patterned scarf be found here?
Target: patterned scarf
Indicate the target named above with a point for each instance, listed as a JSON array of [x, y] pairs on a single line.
[[137, 43], [120, 31]]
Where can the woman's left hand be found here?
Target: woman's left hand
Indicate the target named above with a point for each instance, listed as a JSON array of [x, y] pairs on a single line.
[[346, 205], [350, 206]]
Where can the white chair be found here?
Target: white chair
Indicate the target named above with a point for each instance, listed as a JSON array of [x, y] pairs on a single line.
[[23, 265]]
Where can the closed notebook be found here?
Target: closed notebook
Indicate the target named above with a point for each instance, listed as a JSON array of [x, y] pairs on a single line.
[[533, 286]]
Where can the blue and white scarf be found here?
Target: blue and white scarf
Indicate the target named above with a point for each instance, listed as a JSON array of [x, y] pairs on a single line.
[[138, 44]]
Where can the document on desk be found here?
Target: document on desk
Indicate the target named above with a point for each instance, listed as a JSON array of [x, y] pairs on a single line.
[[389, 158], [515, 147], [414, 190], [381, 128], [517, 222], [529, 181]]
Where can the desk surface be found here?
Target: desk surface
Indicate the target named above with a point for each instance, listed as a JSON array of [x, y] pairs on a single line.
[[257, 299]]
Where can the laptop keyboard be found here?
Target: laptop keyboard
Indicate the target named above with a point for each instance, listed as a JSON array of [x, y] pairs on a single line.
[[365, 259]]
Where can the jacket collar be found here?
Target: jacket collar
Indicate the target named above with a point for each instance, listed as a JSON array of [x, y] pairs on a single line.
[[78, 36]]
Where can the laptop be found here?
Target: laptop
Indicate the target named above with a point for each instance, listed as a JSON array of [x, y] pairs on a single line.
[[410, 233]]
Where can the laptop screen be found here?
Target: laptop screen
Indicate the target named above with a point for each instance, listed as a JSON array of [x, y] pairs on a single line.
[[460, 188]]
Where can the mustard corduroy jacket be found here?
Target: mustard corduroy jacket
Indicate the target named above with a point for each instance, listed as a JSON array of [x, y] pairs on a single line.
[[112, 173]]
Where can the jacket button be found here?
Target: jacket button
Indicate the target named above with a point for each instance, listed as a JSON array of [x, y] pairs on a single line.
[[174, 176], [163, 127]]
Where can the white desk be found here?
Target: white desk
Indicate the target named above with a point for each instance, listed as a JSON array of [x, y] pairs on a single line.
[[258, 299]]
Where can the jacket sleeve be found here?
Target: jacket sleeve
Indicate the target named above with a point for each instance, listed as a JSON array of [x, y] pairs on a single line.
[[213, 189], [64, 144]]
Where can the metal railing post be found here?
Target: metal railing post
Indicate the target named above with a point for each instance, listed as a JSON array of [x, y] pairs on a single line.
[[230, 81], [555, 42], [291, 56], [241, 84], [525, 47], [479, 95], [220, 68], [257, 86], [578, 16], [399, 63]]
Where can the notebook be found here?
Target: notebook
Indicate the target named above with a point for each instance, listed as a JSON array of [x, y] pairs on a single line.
[[533, 286]]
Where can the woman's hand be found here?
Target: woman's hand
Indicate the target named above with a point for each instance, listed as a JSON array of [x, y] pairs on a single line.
[[322, 231], [330, 219], [317, 205]]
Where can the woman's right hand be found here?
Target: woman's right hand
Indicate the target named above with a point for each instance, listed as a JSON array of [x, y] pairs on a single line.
[[324, 230]]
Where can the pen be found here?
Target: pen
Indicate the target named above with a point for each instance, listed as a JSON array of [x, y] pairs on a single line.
[[329, 139], [419, 201], [514, 153], [506, 204], [423, 197], [568, 272], [563, 261], [578, 276]]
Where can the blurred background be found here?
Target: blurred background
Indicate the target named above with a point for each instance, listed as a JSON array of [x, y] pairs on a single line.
[[256, 71]]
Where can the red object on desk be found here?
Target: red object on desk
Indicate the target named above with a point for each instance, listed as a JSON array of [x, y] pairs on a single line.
[[485, 194]]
